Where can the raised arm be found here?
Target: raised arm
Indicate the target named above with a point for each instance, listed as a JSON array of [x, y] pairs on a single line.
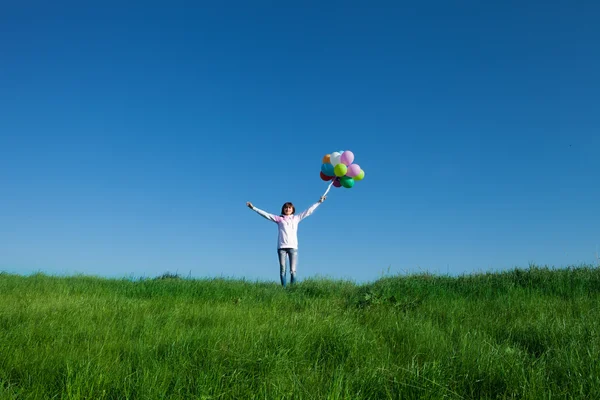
[[310, 209], [270, 217]]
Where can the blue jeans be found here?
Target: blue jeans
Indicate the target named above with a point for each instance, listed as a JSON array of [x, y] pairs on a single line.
[[293, 256]]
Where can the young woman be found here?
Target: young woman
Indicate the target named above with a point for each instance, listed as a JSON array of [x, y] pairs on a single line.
[[287, 239]]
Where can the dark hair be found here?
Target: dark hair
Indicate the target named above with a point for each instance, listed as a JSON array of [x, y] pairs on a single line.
[[288, 204]]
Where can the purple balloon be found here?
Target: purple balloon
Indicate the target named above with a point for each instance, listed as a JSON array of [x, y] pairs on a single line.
[[347, 157], [337, 183], [353, 170]]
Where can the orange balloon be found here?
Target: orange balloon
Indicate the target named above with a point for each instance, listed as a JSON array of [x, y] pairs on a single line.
[[327, 159]]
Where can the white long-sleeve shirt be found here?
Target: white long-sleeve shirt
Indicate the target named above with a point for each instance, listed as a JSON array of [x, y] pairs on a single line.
[[287, 237]]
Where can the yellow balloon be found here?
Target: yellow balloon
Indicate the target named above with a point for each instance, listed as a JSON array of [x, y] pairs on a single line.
[[326, 158], [340, 170], [360, 176]]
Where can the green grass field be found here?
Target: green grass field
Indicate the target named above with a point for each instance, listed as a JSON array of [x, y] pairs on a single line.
[[526, 333]]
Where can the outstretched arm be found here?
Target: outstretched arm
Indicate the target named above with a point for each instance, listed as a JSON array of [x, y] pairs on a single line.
[[270, 217], [311, 209]]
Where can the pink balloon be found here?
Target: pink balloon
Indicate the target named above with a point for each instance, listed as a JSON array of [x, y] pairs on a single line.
[[347, 157], [337, 183], [353, 170]]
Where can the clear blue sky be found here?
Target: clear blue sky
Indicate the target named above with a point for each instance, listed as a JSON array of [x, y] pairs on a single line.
[[131, 136]]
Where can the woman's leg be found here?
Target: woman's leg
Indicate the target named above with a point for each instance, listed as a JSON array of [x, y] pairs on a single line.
[[293, 262], [282, 258]]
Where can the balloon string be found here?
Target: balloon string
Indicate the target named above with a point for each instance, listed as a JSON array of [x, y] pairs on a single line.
[[328, 187]]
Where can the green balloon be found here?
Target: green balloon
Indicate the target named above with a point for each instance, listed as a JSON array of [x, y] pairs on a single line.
[[360, 176], [340, 170], [347, 182]]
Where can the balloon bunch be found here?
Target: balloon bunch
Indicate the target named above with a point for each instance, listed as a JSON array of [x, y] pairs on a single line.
[[338, 167]]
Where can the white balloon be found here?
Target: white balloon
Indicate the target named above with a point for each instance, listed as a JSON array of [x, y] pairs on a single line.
[[334, 159]]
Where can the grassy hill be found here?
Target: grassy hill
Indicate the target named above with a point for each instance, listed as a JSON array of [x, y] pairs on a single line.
[[525, 333]]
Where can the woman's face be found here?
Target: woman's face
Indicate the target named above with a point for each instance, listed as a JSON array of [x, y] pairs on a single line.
[[288, 210]]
